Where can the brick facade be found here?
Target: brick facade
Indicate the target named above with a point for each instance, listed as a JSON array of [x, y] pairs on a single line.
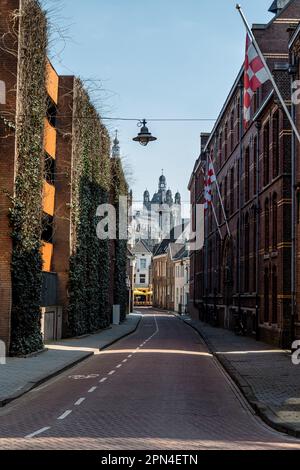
[[57, 235], [8, 74], [246, 277]]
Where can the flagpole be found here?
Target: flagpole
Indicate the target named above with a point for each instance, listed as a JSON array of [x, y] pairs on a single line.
[[214, 212], [283, 104], [220, 197]]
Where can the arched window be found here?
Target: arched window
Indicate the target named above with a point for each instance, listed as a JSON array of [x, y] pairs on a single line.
[[276, 144], [238, 119], [238, 238], [220, 148], [232, 190], [267, 226], [247, 174], [274, 296], [232, 130], [246, 252], [266, 296], [226, 193], [266, 134], [254, 238], [255, 165], [274, 222]]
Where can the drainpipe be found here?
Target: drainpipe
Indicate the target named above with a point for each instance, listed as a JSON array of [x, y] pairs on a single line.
[[293, 72], [241, 87]]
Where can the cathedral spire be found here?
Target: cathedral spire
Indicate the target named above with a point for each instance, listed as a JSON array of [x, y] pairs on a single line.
[[116, 147]]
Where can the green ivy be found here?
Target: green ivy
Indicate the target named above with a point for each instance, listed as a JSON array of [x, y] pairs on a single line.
[[26, 211], [120, 188], [89, 308]]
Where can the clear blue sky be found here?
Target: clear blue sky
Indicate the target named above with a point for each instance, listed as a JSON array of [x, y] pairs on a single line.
[[157, 59]]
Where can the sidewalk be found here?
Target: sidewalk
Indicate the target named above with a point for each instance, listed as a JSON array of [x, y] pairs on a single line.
[[265, 375], [19, 376]]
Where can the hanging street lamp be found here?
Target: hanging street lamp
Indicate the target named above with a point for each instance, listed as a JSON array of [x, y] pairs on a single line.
[[144, 136]]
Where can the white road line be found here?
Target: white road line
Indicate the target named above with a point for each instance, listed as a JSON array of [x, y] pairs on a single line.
[[125, 360], [91, 390], [40, 431], [65, 414], [118, 367], [81, 400], [111, 372], [102, 380], [130, 355]]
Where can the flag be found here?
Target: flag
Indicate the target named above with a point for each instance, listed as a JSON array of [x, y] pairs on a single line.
[[254, 77], [207, 193], [211, 173]]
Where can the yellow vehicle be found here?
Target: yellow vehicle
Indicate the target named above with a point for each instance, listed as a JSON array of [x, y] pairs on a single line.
[[143, 297]]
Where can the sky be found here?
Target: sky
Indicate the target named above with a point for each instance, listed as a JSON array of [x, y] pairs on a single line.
[[155, 59]]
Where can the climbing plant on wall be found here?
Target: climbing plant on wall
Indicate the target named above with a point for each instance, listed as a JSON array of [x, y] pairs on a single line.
[[26, 211], [120, 188], [89, 308]]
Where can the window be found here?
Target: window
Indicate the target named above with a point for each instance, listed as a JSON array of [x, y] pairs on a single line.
[[142, 279], [226, 193], [232, 130], [232, 190], [226, 142], [274, 224], [255, 166], [247, 174], [49, 169], [276, 144], [143, 263], [219, 203], [51, 112], [220, 148], [266, 296], [47, 228], [254, 267], [239, 119], [267, 226], [246, 251], [274, 296], [266, 134]]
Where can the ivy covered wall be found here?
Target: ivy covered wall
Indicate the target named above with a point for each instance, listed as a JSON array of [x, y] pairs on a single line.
[[26, 211], [120, 188], [89, 308]]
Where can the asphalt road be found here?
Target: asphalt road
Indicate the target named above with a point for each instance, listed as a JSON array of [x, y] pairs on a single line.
[[159, 388]]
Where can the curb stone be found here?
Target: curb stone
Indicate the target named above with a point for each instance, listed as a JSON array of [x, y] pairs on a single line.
[[32, 385]]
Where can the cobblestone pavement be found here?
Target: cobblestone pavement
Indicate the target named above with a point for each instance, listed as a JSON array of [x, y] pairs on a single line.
[[159, 388], [266, 375], [20, 375]]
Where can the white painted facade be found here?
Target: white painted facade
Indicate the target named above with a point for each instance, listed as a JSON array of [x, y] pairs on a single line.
[[182, 275], [143, 266]]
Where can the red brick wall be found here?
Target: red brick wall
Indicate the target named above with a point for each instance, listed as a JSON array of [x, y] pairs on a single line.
[[8, 73]]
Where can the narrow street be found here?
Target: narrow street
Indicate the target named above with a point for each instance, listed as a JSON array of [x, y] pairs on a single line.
[[159, 388]]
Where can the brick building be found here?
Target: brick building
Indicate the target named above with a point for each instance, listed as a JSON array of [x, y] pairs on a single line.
[[164, 264], [246, 277], [71, 180]]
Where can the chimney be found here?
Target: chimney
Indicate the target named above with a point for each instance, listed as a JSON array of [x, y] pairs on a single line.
[[278, 5]]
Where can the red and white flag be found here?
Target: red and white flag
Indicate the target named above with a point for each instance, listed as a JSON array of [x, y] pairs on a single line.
[[255, 75], [211, 174], [207, 193]]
